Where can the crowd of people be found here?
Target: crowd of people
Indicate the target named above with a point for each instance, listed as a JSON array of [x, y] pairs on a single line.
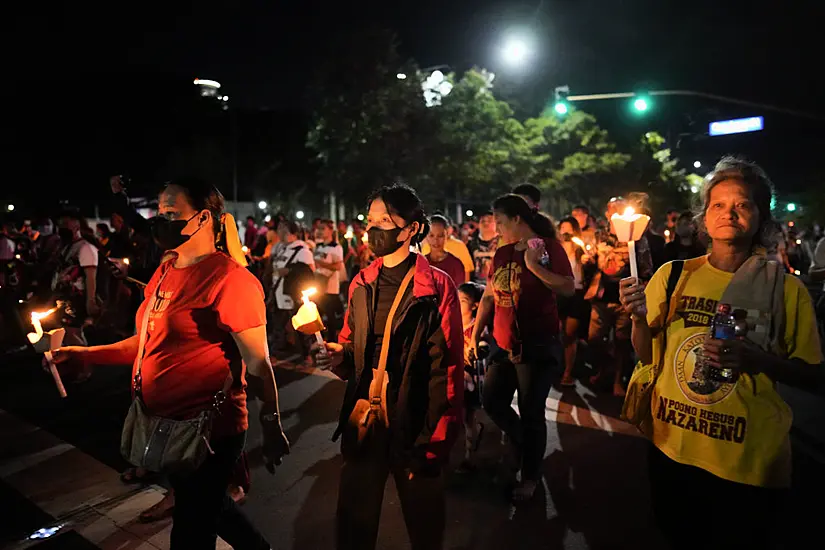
[[430, 323]]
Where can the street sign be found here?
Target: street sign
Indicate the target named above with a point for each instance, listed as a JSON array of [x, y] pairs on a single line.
[[737, 126]]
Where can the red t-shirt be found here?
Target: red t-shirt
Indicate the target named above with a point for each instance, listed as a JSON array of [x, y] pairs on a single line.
[[190, 346], [535, 314], [452, 266]]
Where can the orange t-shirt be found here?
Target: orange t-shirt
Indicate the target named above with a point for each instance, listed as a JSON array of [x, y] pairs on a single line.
[[190, 346]]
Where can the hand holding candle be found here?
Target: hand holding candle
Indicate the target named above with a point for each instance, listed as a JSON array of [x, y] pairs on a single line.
[[53, 340], [308, 321], [629, 228]]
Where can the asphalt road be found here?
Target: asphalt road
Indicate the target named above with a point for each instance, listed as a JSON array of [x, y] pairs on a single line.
[[595, 493]]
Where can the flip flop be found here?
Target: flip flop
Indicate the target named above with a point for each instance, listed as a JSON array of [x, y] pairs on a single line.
[[157, 512], [130, 477]]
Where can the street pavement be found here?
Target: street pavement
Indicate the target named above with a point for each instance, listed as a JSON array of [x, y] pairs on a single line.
[[59, 464]]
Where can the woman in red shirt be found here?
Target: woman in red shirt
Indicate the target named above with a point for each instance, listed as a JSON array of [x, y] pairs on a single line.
[[440, 258], [208, 321], [521, 296]]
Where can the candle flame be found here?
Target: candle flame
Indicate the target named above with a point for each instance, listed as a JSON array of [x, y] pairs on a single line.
[[126, 261], [667, 232], [365, 238], [245, 249], [308, 292], [348, 234], [578, 241], [37, 315], [629, 211]]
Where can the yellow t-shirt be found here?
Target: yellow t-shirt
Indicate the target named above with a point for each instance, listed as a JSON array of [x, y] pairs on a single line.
[[457, 248], [737, 431]]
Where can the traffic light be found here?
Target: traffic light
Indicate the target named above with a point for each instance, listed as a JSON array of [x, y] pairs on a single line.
[[791, 207], [641, 103], [562, 106]]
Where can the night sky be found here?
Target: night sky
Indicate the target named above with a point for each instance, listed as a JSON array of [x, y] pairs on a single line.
[[264, 53]]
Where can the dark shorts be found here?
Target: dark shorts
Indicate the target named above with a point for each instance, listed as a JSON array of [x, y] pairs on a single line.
[[574, 306], [605, 316]]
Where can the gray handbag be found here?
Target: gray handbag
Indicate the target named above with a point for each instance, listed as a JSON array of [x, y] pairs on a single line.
[[162, 444]]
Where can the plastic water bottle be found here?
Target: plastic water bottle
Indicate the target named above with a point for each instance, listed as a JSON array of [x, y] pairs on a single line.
[[723, 327]]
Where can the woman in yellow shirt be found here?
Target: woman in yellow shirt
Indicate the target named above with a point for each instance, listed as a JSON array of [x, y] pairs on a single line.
[[720, 462]]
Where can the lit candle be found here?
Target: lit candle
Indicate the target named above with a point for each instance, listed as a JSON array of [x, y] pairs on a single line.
[[307, 320], [245, 249], [578, 241], [53, 340], [629, 228]]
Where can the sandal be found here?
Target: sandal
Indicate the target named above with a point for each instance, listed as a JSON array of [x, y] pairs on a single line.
[[161, 510], [130, 476]]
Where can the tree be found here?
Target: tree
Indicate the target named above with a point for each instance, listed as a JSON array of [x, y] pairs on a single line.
[[574, 160], [482, 150], [369, 127], [655, 171]]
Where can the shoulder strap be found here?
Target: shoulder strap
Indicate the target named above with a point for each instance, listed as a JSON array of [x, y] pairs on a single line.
[[385, 342], [672, 281], [289, 261], [144, 331]]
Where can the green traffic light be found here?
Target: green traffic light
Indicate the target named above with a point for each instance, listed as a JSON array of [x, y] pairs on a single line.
[[640, 104], [791, 207], [561, 108]]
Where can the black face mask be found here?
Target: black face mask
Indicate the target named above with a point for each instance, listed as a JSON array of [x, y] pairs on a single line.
[[167, 233], [66, 235], [384, 242]]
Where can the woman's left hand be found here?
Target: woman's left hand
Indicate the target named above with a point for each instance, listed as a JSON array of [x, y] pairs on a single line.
[[532, 256], [740, 355], [275, 445]]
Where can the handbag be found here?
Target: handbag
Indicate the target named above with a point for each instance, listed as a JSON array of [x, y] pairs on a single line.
[[370, 415], [161, 444], [637, 402]]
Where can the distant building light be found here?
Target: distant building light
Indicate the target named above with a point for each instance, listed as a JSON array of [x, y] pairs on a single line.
[[469, 213], [10, 207], [262, 205], [299, 214], [737, 126], [401, 76], [225, 98], [207, 82], [360, 217]]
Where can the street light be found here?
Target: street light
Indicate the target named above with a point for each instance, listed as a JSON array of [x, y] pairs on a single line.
[[299, 214], [401, 76], [360, 217], [10, 208], [262, 205], [697, 164], [515, 51], [469, 213]]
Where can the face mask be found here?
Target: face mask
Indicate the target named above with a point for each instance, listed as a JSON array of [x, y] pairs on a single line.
[[167, 233], [384, 241], [66, 235], [46, 230]]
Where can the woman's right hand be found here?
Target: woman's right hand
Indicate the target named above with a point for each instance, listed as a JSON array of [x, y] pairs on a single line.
[[72, 360], [632, 296], [332, 358]]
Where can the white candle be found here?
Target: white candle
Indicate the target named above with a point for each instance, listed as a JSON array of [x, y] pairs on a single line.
[[629, 228], [53, 340], [307, 317]]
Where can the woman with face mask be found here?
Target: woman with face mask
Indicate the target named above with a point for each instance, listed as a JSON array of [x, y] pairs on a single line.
[[206, 331], [421, 404]]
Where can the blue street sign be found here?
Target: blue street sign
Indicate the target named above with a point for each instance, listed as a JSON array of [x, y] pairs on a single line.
[[737, 126]]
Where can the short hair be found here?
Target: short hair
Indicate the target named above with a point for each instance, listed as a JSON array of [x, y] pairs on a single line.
[[574, 223], [485, 214], [291, 226], [474, 290], [581, 207], [758, 183], [528, 190], [439, 219], [686, 215]]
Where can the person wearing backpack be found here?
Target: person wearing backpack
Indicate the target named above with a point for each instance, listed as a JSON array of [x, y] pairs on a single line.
[[401, 353], [721, 442]]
